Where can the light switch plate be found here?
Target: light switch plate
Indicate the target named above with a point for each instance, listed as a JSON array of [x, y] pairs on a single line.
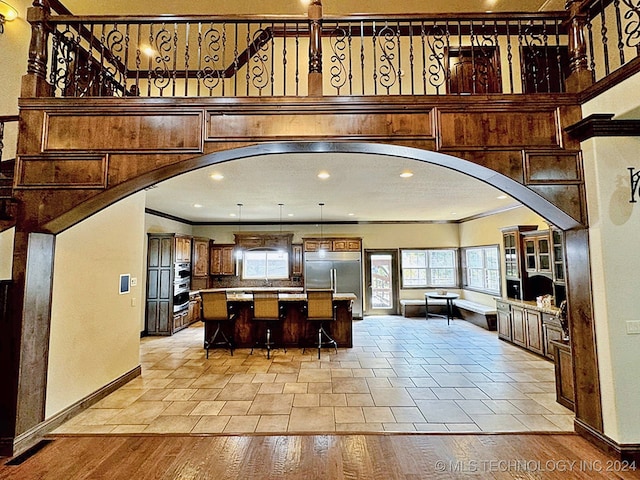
[[633, 327], [134, 281]]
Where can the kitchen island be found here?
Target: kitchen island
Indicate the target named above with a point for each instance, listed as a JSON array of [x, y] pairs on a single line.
[[294, 330]]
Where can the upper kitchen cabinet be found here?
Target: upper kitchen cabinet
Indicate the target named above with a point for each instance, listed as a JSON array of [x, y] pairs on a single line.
[[221, 260], [332, 244], [183, 249], [514, 259], [537, 252], [200, 264]]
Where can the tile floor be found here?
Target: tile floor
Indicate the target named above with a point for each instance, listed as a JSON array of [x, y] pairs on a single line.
[[401, 375]]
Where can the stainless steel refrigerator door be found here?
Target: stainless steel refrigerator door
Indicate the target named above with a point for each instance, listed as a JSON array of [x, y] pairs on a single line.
[[317, 274], [348, 277]]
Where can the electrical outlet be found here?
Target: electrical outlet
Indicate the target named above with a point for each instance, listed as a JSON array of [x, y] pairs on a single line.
[[633, 327]]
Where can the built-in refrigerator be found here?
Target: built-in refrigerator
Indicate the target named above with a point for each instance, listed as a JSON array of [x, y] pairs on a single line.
[[339, 271]]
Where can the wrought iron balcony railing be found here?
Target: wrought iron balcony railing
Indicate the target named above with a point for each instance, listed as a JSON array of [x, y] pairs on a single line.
[[465, 54]]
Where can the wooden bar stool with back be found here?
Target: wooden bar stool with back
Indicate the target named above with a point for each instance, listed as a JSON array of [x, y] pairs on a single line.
[[266, 310], [320, 310], [215, 308]]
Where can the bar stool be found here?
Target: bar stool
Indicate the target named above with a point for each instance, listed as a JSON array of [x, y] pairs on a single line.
[[320, 309], [215, 308], [267, 310]]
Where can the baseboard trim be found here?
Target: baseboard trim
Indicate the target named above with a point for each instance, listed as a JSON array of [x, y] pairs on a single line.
[[626, 452], [24, 441]]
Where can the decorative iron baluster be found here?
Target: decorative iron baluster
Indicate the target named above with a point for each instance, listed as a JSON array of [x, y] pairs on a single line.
[[162, 72], [125, 63], [186, 59], [175, 60], [632, 28], [510, 57], [338, 71], [560, 65], [399, 43], [592, 59], [102, 75], [260, 72], [362, 56], [209, 74], [534, 56], [523, 74], [113, 65], [411, 58], [150, 63], [437, 56], [284, 59], [423, 41], [375, 60], [198, 73], [138, 61], [297, 78], [223, 76], [605, 40], [248, 70], [349, 43], [616, 5]]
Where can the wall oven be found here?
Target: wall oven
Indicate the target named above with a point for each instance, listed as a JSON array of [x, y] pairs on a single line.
[[181, 286]]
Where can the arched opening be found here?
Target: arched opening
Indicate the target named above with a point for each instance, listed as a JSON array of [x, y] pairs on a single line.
[[373, 153]]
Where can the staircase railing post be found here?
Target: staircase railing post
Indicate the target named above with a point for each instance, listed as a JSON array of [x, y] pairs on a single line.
[[34, 83], [315, 48], [580, 77]]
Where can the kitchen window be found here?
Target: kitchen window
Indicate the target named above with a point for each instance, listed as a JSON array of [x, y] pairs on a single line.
[[429, 268], [265, 265], [481, 269]]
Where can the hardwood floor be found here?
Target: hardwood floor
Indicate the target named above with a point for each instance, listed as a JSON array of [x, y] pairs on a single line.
[[363, 456]]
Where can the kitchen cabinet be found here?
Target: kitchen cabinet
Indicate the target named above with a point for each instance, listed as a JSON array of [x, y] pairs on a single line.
[[164, 251], [514, 260], [504, 320], [552, 332], [182, 249], [537, 252], [332, 244], [194, 307], [527, 325], [221, 261], [296, 260], [200, 264], [563, 362]]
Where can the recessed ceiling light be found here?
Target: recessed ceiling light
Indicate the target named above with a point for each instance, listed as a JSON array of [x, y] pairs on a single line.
[[502, 197], [197, 205], [217, 176], [406, 174], [232, 214], [289, 214], [351, 214], [323, 175]]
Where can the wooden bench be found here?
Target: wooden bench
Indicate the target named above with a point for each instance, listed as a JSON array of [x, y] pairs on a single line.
[[415, 307], [484, 316]]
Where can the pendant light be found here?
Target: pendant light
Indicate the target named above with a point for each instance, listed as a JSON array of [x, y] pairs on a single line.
[[321, 250], [238, 253]]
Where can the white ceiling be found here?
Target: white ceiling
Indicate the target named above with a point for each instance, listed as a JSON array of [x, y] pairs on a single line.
[[365, 185]]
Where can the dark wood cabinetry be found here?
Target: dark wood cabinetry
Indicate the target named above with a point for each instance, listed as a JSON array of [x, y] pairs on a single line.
[[526, 325], [332, 244], [514, 260], [221, 260], [504, 320], [163, 252], [565, 390], [296, 260], [200, 264]]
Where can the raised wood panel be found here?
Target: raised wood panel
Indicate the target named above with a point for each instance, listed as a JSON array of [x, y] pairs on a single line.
[[553, 167], [534, 331], [567, 197], [200, 257], [114, 132], [461, 130], [63, 172], [231, 127], [508, 162], [518, 331]]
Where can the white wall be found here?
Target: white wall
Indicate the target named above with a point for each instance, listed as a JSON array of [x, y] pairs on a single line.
[[6, 254], [486, 231], [95, 336], [614, 228]]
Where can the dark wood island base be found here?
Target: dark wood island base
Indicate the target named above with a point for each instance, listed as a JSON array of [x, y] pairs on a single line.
[[294, 330]]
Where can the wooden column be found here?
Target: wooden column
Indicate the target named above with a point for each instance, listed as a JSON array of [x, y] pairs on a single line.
[[580, 76], [34, 83], [588, 406], [315, 48]]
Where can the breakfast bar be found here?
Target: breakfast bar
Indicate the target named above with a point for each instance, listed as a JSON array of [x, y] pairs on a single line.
[[294, 330]]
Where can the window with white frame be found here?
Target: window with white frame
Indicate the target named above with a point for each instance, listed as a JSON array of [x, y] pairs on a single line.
[[481, 269], [265, 265], [429, 268]]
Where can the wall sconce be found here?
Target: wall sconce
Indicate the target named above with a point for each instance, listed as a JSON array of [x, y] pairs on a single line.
[[7, 14]]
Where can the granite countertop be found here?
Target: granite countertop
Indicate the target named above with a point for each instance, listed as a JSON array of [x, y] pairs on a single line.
[[287, 294], [530, 305]]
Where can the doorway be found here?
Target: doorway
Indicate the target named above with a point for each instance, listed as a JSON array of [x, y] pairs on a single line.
[[381, 281]]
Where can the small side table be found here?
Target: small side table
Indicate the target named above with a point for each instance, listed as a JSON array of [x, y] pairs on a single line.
[[449, 297]]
